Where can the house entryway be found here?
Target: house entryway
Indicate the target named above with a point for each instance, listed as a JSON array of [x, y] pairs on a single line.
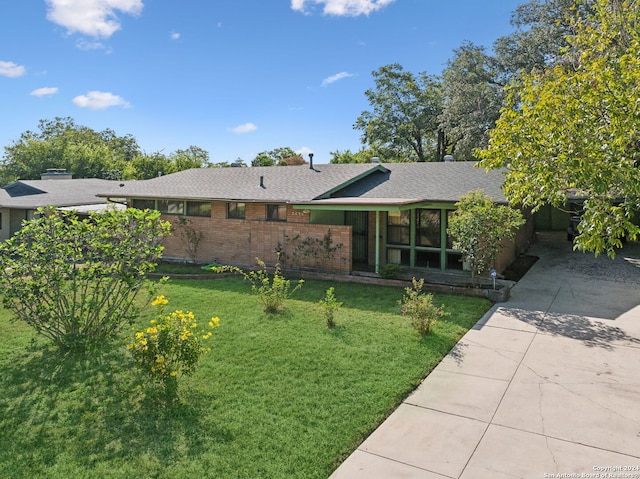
[[359, 222]]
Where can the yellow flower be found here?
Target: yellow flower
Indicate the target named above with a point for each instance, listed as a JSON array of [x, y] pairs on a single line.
[[173, 373], [160, 300], [139, 335], [152, 330], [208, 335], [160, 360], [215, 322]]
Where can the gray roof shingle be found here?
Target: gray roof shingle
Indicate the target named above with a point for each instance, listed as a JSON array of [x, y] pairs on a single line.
[[32, 194], [445, 182]]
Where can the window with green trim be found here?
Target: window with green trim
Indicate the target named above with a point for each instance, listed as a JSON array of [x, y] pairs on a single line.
[[199, 208], [171, 207], [428, 228], [235, 210], [399, 227]]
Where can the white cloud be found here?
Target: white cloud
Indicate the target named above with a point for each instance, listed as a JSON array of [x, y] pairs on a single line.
[[45, 91], [304, 151], [11, 70], [335, 78], [87, 46], [244, 128], [98, 100], [175, 36], [349, 8], [96, 18]]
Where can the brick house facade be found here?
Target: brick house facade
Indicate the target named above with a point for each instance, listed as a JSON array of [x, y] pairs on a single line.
[[336, 218]]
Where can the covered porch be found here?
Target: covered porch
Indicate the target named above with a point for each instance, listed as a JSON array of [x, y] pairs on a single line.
[[410, 233]]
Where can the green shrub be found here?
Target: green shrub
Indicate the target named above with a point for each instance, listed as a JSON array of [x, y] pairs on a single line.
[[390, 270], [170, 347], [272, 290], [76, 281], [419, 308], [330, 306]]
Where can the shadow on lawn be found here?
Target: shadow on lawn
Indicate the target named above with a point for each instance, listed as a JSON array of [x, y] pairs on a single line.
[[92, 408]]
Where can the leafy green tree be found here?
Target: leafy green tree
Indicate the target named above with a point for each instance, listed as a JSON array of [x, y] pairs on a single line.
[[273, 157], [77, 280], [575, 129], [61, 143], [364, 155], [479, 228], [403, 122], [540, 38], [146, 166], [474, 95], [192, 157]]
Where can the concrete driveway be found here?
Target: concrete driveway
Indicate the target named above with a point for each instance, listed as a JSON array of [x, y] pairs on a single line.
[[546, 385]]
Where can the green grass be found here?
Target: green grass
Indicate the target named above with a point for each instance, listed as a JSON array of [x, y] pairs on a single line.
[[179, 268], [278, 396]]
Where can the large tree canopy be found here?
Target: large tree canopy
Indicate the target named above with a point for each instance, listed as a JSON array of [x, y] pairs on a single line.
[[542, 28], [575, 128], [403, 122], [61, 143], [474, 94]]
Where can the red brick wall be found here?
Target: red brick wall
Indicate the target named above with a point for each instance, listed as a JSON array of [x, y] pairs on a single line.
[[240, 242]]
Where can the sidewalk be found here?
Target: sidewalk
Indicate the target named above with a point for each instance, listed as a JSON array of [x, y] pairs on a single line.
[[545, 385]]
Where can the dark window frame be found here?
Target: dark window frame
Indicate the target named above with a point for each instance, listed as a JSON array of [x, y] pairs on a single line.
[[151, 206], [164, 207], [198, 208], [236, 210], [280, 210]]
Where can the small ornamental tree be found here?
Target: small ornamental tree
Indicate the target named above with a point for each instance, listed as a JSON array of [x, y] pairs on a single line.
[[479, 227], [76, 280]]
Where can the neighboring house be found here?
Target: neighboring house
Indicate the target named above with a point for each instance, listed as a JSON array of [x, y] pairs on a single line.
[[20, 200], [340, 217]]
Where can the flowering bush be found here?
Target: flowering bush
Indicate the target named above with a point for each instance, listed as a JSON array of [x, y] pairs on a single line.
[[419, 308], [171, 346]]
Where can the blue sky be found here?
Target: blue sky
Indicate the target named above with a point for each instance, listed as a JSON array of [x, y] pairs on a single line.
[[235, 77]]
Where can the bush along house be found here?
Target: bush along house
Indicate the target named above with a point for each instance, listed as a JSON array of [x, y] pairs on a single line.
[[335, 218]]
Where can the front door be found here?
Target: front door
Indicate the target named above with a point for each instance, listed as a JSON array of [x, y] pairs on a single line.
[[359, 222]]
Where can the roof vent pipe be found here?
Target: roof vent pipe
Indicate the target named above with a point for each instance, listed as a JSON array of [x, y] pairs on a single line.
[[311, 161], [448, 158], [261, 181]]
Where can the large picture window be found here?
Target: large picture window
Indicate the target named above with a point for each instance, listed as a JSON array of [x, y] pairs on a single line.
[[277, 212], [399, 227], [199, 208], [235, 210], [171, 207], [428, 228]]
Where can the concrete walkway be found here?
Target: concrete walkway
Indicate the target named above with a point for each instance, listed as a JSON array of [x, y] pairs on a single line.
[[545, 385]]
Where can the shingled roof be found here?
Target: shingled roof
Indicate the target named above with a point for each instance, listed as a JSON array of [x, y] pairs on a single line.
[[32, 194], [408, 182]]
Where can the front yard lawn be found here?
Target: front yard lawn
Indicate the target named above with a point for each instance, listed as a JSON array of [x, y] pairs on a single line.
[[278, 396]]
